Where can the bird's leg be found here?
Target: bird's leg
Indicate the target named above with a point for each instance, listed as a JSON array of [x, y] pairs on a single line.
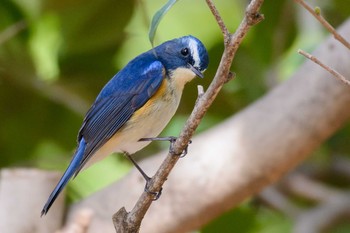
[[172, 140], [146, 177]]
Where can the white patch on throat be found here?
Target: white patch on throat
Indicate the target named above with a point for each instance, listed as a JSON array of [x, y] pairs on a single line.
[[194, 50], [180, 77]]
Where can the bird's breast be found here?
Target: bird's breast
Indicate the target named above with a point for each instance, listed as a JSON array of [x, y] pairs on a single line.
[[148, 121], [152, 118]]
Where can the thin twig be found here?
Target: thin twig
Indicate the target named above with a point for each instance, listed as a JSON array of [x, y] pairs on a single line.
[[329, 69], [130, 222], [53, 91], [324, 22], [300, 185], [340, 165], [11, 31], [332, 204], [324, 216], [276, 199], [231, 75], [219, 20]]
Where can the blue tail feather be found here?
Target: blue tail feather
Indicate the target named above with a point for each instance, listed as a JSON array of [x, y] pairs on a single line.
[[74, 164]]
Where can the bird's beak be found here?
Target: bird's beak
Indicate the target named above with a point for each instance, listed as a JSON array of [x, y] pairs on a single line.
[[196, 71]]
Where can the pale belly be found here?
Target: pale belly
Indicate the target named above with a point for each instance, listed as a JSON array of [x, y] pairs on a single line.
[[150, 124], [147, 123]]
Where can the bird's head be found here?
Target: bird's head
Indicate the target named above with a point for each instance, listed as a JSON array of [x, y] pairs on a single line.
[[185, 57]]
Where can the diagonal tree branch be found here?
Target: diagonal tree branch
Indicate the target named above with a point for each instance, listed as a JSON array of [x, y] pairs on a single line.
[[317, 14], [130, 222], [324, 22], [324, 66]]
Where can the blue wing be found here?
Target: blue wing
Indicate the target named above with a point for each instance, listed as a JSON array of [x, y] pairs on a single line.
[[128, 91], [125, 93]]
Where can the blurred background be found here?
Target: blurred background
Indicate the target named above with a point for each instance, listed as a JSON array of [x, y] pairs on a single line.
[[56, 55]]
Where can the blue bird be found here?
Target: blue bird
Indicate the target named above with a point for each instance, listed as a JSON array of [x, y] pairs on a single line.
[[137, 103]]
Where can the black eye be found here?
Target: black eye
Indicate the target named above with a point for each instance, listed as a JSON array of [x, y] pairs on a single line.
[[185, 51]]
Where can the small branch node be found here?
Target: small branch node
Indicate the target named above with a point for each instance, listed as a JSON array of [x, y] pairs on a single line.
[[120, 221], [231, 75], [200, 89], [317, 10], [254, 18]]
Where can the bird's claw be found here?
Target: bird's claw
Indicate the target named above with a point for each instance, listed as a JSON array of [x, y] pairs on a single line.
[[155, 195], [172, 141], [183, 153]]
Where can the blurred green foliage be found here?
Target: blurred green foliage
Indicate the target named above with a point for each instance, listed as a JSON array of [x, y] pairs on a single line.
[[245, 218], [52, 69]]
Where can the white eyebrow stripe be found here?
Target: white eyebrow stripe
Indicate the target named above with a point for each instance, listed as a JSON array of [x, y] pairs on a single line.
[[194, 50]]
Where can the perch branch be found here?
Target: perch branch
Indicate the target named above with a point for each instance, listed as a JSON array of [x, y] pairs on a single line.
[[130, 222]]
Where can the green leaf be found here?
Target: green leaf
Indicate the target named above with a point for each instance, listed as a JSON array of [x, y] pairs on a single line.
[[157, 17], [240, 219], [45, 42]]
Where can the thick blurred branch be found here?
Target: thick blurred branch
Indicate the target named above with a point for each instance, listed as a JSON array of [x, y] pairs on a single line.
[[130, 222], [239, 157], [21, 192]]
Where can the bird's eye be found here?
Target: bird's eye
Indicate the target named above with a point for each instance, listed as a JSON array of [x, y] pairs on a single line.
[[185, 51]]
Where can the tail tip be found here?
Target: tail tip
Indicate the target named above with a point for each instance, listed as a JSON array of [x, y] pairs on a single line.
[[44, 211]]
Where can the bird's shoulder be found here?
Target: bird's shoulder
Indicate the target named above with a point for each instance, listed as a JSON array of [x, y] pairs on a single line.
[[143, 72]]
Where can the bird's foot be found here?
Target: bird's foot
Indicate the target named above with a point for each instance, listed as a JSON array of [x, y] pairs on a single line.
[[172, 141], [155, 195]]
